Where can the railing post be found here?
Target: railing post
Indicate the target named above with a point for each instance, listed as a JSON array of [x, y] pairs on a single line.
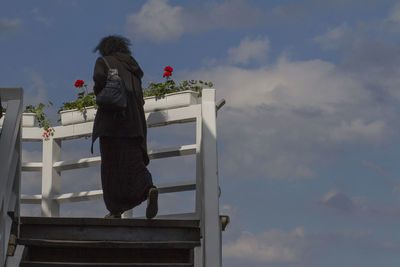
[[198, 251], [212, 250], [50, 177], [10, 164]]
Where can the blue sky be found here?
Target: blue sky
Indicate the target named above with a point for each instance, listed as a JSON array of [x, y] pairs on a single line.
[[308, 140]]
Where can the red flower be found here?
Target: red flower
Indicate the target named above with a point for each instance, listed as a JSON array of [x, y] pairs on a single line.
[[167, 73], [169, 69], [79, 83]]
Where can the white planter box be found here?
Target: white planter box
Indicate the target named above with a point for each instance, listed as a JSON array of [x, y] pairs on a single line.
[[28, 119], [74, 116], [173, 100]]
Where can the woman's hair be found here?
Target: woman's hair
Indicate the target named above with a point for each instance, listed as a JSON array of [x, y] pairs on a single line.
[[113, 43]]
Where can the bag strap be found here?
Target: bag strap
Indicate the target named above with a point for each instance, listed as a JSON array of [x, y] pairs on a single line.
[[106, 62]]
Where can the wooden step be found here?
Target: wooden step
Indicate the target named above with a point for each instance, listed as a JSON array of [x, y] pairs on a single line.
[[108, 244], [98, 229], [108, 255], [83, 264], [61, 241]]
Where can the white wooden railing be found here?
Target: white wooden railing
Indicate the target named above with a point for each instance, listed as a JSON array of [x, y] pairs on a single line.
[[10, 167], [205, 184]]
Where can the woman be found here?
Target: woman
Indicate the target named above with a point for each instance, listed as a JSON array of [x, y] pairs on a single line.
[[125, 179]]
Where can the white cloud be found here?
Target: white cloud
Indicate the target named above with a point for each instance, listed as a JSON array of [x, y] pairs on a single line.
[[312, 84], [230, 14], [339, 203], [271, 246], [37, 92], [289, 12], [393, 18], [297, 247], [334, 38], [38, 16], [160, 22], [157, 21], [357, 129], [292, 115], [249, 50], [9, 25]]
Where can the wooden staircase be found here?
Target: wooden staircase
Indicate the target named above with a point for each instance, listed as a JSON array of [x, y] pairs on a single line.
[[55, 241], [107, 242]]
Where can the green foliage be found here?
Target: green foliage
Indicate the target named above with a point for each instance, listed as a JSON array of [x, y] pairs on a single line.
[[83, 100], [169, 86], [41, 117]]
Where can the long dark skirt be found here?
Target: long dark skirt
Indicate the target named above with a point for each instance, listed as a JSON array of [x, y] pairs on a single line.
[[124, 176]]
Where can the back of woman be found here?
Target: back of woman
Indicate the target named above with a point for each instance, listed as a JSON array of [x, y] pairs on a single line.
[[125, 178]]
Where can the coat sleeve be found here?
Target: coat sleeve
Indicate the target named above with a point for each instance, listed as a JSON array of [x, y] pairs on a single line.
[[99, 75]]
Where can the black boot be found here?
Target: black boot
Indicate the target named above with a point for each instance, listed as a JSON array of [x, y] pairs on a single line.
[[152, 203]]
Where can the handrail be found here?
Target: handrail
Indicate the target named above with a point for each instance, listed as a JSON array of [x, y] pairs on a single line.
[[205, 185], [154, 119], [10, 165]]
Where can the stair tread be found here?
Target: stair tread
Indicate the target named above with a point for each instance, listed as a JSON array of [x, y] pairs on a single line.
[[78, 264], [108, 244], [86, 221]]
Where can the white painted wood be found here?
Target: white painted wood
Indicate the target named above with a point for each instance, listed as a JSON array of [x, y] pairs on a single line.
[[31, 199], [78, 197], [8, 170], [15, 260], [198, 255], [32, 134], [17, 180], [77, 164], [206, 183], [199, 169], [73, 131], [154, 119], [172, 152], [172, 100], [74, 116], [3, 218], [28, 119], [50, 177], [10, 166], [212, 228], [9, 202], [176, 216], [198, 251], [170, 116], [8, 139], [4, 236], [96, 161], [176, 187], [98, 194], [11, 93], [32, 166], [13, 172]]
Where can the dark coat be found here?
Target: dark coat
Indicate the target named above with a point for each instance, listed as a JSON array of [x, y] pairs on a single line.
[[133, 122]]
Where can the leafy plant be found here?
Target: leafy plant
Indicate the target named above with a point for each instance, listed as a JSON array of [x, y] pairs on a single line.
[[169, 86], [83, 100], [42, 119]]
